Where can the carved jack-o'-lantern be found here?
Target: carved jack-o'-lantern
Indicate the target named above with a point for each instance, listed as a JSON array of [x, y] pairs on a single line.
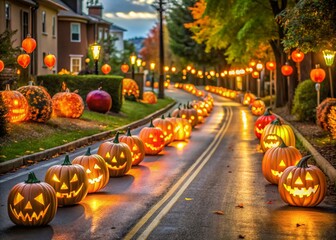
[[248, 98], [268, 137], [258, 107], [117, 156], [130, 87], [303, 185], [277, 159], [16, 104], [136, 146], [167, 128], [153, 139], [69, 181], [262, 121], [182, 128], [67, 104], [149, 97], [32, 203], [96, 170]]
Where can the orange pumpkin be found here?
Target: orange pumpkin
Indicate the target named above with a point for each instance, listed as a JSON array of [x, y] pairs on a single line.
[[67, 104], [106, 68], [317, 75], [297, 56], [167, 127], [16, 103], [136, 146], [149, 97], [130, 87], [117, 156], [153, 139], [303, 185], [124, 67], [96, 170], [182, 128], [69, 181], [286, 69], [248, 98], [277, 159]]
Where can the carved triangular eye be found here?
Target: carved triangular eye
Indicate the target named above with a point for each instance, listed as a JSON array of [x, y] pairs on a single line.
[[122, 155], [88, 171], [290, 175], [74, 178], [96, 167], [114, 160], [298, 181], [64, 186], [18, 198], [282, 164], [309, 177], [55, 178], [135, 148], [40, 199], [150, 136], [28, 206], [107, 155]]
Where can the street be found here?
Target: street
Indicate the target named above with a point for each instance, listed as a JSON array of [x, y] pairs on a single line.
[[208, 187]]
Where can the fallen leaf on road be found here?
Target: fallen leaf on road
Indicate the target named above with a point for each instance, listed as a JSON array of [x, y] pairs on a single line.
[[240, 205], [188, 199], [218, 212]]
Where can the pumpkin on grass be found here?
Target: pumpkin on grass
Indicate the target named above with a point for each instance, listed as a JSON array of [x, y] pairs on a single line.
[[136, 146], [67, 104], [69, 181], [96, 170], [32, 203], [303, 185], [153, 139], [149, 97]]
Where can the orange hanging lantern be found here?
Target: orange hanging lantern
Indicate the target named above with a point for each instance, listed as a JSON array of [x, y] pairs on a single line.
[[286, 69], [318, 74], [255, 74], [23, 60], [270, 66], [29, 44], [2, 65], [106, 68], [124, 67], [297, 56], [49, 60]]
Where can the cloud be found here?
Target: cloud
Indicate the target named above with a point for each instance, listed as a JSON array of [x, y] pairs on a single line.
[[131, 15], [142, 2]]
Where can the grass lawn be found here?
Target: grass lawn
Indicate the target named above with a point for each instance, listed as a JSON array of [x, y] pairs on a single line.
[[30, 137]]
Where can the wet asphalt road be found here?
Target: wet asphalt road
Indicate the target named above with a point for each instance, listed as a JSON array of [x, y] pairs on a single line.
[[209, 187]]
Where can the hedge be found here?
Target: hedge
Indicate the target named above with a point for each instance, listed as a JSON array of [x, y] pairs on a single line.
[[84, 84]]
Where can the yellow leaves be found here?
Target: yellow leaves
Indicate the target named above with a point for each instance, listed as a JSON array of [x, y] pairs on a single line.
[[188, 199], [41, 149], [3, 156]]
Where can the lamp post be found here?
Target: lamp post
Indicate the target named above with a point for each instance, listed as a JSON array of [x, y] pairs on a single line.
[[138, 63], [152, 67], [329, 57], [95, 48], [259, 68], [133, 60]]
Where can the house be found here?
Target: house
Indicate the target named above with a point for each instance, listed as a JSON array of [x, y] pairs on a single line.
[[118, 33]]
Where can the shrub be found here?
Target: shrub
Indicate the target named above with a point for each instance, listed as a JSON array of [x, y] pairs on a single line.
[[323, 110], [3, 119], [305, 100]]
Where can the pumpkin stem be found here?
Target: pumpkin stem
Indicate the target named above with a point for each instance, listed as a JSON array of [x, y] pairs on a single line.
[[267, 111], [128, 133], [162, 117], [116, 138], [66, 160], [303, 162], [282, 143], [7, 87], [32, 178], [276, 122], [88, 153], [169, 115]]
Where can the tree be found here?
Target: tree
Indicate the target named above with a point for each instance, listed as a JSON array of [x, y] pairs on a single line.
[[3, 119]]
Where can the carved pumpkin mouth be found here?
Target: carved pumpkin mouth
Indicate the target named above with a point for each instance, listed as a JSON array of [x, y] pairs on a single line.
[[118, 167], [276, 173], [271, 144], [168, 137], [301, 192], [259, 130], [28, 216], [135, 156], [71, 194], [95, 180], [150, 146]]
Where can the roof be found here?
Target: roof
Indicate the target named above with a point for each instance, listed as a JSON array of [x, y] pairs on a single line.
[[116, 28]]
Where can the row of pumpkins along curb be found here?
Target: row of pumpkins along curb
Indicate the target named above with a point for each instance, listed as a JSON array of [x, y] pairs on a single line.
[[299, 184], [34, 102], [34, 203]]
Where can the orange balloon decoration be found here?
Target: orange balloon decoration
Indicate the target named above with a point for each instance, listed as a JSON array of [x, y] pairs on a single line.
[[106, 68], [270, 66], [29, 44], [286, 69], [124, 67], [2, 65], [50, 60], [297, 56], [317, 75], [23, 60]]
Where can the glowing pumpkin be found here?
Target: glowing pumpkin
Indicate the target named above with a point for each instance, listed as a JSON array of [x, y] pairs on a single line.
[[303, 185], [117, 156], [153, 139], [269, 139], [297, 56], [16, 103], [130, 87], [124, 67], [69, 181], [317, 75], [248, 98], [32, 203], [277, 159], [99, 101], [39, 102], [96, 170], [67, 104], [149, 97], [262, 121], [167, 128], [258, 107], [182, 128], [136, 146]]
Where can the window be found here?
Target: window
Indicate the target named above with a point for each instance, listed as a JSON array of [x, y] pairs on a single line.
[[75, 64], [43, 56], [75, 32], [8, 15], [44, 22], [100, 33], [25, 19], [54, 26]]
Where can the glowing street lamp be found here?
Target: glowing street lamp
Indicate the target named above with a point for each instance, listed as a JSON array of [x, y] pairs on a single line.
[[95, 49], [133, 60], [152, 67], [139, 63], [329, 57]]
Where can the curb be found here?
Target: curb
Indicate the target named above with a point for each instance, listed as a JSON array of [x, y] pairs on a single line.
[[55, 151], [323, 163]]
